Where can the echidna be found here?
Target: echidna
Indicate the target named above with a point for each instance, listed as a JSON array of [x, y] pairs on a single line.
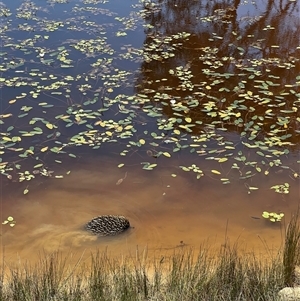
[[105, 225]]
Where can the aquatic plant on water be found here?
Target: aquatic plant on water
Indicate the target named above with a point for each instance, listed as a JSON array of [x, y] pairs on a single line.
[[62, 95], [9, 221], [272, 216]]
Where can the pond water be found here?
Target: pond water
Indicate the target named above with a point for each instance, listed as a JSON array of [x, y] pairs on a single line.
[[166, 214], [183, 118]]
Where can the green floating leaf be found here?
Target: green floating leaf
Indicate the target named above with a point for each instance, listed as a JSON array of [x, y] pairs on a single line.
[[38, 165], [49, 126], [216, 172], [273, 216], [265, 214], [166, 154], [185, 168]]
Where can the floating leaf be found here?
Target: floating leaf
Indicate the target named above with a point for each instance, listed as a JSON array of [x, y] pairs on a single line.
[[215, 172], [252, 188], [6, 138], [185, 168], [265, 214], [49, 126]]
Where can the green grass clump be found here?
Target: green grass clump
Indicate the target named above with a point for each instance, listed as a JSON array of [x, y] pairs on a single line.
[[185, 276], [291, 254]]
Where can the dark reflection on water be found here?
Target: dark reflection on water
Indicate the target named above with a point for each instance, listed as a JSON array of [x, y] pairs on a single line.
[[233, 47]]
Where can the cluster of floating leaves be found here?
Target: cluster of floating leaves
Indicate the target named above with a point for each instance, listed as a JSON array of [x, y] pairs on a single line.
[[272, 216], [9, 221], [281, 188], [61, 95]]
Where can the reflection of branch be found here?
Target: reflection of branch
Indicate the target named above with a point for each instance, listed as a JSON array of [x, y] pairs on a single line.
[[220, 54], [269, 17]]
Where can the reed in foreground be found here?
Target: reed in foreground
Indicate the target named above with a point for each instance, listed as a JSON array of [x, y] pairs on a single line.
[[184, 276]]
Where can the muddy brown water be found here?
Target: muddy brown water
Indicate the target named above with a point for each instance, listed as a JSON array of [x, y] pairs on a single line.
[[166, 214]]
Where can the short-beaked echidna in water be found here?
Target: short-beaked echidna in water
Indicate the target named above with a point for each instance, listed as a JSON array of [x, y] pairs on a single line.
[[105, 225]]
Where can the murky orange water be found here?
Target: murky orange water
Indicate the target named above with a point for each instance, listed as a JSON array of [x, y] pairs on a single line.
[[162, 217]]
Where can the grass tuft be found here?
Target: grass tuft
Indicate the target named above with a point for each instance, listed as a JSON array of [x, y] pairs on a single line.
[[291, 250]]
